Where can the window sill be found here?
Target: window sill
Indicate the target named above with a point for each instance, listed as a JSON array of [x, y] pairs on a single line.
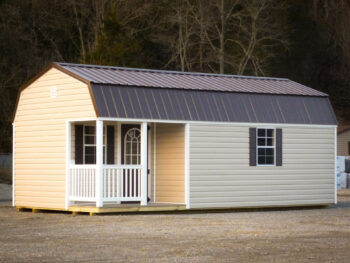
[[267, 165]]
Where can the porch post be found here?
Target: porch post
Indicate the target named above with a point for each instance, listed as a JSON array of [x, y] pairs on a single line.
[[187, 165], [68, 161], [99, 163], [119, 159], [144, 163]]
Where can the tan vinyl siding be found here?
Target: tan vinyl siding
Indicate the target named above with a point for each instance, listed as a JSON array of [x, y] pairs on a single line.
[[40, 146], [220, 175], [170, 163], [343, 143]]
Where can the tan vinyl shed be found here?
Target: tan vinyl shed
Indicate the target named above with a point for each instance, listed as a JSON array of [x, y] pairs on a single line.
[[109, 139]]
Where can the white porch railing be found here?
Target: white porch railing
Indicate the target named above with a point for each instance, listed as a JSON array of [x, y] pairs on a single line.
[[82, 183], [119, 183]]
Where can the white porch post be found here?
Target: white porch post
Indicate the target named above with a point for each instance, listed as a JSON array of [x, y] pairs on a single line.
[[187, 165], [99, 163], [144, 163], [68, 161], [119, 159]]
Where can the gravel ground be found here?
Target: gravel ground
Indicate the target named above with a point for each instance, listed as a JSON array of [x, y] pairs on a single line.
[[311, 235]]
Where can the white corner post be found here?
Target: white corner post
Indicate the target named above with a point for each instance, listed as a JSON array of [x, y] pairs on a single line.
[[335, 166], [99, 163], [154, 161], [13, 162], [68, 161], [187, 165], [144, 137]]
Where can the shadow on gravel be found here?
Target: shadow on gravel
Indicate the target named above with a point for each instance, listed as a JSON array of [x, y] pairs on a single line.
[[341, 205]]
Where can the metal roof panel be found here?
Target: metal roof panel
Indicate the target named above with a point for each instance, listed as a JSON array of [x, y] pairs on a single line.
[[196, 105], [188, 80]]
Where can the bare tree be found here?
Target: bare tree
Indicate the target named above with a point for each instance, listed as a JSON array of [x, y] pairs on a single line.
[[256, 35], [216, 31]]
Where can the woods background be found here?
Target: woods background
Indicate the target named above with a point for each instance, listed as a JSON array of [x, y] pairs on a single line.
[[307, 41]]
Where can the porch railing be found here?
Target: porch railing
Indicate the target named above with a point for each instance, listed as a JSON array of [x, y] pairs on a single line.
[[82, 183], [119, 183]]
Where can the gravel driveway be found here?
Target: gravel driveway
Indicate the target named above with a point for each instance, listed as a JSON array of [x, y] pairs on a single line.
[[312, 235]]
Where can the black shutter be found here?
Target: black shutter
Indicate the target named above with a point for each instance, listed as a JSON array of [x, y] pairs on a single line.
[[79, 144], [279, 147], [110, 144], [252, 146], [348, 148]]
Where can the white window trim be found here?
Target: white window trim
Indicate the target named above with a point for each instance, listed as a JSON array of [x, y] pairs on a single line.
[[88, 144], [270, 147]]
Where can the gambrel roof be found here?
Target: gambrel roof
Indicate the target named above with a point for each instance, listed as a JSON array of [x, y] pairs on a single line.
[[171, 95], [135, 77]]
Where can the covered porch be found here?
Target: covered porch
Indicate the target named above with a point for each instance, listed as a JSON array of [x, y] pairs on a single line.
[[124, 166]]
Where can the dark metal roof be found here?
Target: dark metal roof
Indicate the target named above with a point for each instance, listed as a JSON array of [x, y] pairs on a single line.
[[187, 80], [179, 104]]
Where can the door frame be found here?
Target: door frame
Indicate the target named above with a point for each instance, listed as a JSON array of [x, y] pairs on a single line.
[[124, 128]]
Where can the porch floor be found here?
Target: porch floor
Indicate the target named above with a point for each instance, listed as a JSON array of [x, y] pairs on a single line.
[[124, 208]]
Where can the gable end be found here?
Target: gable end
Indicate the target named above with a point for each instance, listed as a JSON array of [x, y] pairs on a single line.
[[39, 75]]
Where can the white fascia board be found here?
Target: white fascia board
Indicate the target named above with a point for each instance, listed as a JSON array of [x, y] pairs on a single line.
[[251, 124], [82, 119]]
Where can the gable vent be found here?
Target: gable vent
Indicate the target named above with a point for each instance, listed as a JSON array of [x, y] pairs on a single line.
[[53, 92]]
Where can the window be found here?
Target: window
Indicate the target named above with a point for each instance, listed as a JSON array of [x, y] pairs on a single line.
[[90, 145], [132, 143], [265, 146]]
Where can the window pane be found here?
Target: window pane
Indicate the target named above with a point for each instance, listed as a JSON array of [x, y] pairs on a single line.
[[104, 155], [90, 159], [270, 133], [269, 159], [90, 130], [269, 151], [261, 133], [134, 148], [89, 139], [127, 148], [269, 142], [90, 150], [261, 151], [134, 159], [261, 160], [261, 141]]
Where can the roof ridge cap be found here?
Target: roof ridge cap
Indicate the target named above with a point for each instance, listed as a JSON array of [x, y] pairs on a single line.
[[170, 71]]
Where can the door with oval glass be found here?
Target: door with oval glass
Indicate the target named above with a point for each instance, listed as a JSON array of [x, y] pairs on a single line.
[[131, 155]]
